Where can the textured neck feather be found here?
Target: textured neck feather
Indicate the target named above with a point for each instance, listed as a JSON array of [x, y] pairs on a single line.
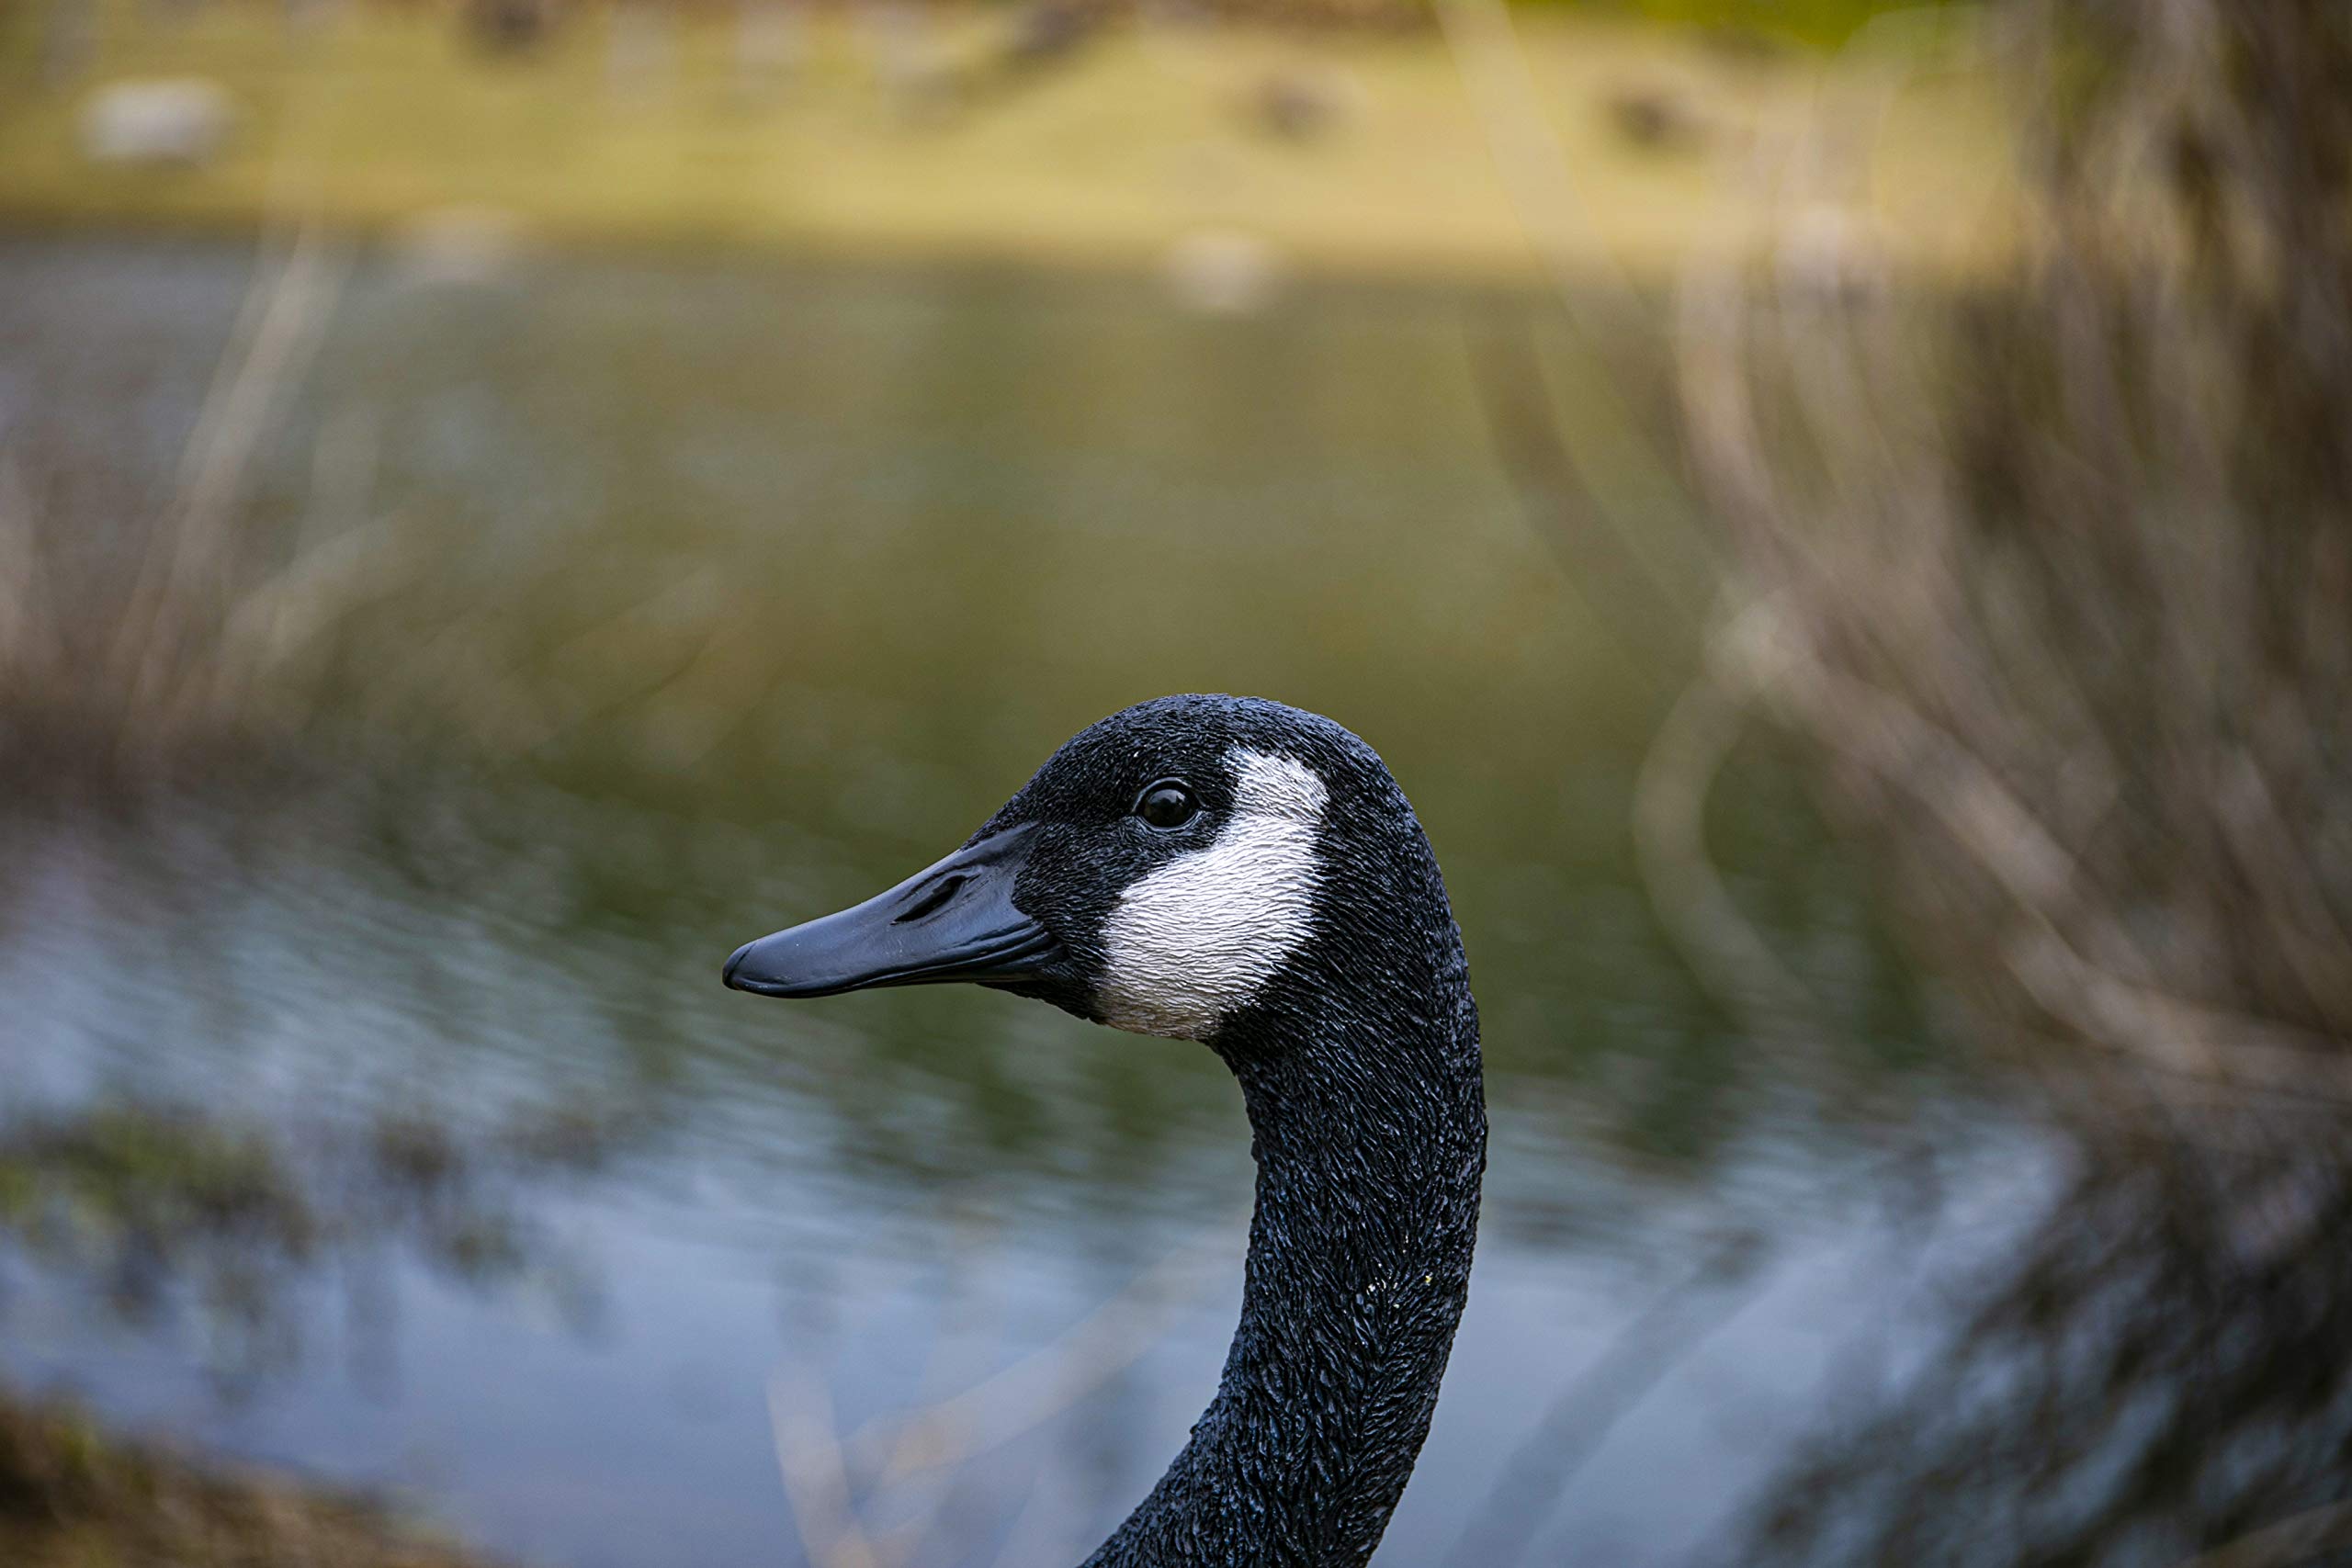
[[1368, 1125]]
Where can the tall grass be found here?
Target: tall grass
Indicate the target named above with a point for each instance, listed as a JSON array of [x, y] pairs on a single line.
[[196, 627], [2060, 577], [2057, 579]]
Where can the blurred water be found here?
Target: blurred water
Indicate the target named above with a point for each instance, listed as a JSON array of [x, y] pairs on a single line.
[[786, 578]]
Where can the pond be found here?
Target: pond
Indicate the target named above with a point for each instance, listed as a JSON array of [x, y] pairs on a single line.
[[726, 593]]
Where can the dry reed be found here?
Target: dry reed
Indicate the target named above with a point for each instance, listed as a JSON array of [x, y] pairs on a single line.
[[2057, 579], [2059, 575]]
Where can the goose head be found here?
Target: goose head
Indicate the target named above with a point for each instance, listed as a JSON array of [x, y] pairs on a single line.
[[1241, 872], [1169, 871]]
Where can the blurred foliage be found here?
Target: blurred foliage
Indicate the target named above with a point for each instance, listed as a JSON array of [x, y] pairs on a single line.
[[1755, 23], [160, 1211], [2159, 1372], [1228, 157], [2060, 579], [2059, 582], [72, 1495]]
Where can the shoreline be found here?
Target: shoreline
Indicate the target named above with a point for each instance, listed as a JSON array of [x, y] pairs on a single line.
[[1148, 144]]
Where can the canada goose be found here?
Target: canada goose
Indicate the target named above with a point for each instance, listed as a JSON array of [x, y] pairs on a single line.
[[1240, 872]]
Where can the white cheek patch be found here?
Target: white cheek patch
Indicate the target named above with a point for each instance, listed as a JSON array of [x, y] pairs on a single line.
[[1193, 941]]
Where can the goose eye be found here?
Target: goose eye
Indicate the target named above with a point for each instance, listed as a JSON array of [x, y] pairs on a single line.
[[1167, 804]]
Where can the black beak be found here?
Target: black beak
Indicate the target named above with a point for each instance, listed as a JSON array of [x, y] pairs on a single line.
[[952, 921]]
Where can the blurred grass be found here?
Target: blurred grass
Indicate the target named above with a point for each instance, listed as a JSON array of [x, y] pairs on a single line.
[[74, 1496], [930, 137], [2055, 579], [1824, 23], [2058, 578], [160, 1216]]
